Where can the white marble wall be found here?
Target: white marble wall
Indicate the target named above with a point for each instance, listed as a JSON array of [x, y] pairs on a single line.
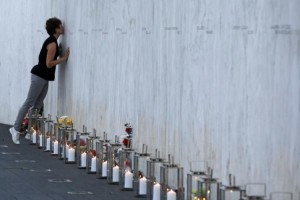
[[202, 80]]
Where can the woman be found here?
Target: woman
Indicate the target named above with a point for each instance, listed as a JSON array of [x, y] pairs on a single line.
[[41, 74]]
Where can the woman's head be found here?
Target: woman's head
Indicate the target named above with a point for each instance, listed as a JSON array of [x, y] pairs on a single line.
[[52, 24]]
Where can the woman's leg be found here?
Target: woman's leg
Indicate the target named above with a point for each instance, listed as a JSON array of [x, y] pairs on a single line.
[[39, 101], [36, 89]]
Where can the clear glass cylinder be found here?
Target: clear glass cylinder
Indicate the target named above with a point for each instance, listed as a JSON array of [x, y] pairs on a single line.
[[40, 137], [91, 155], [54, 145], [33, 125], [48, 128], [102, 153], [209, 188], [171, 177], [231, 193], [126, 165], [113, 171], [69, 148], [140, 170], [193, 191], [255, 191], [153, 177]]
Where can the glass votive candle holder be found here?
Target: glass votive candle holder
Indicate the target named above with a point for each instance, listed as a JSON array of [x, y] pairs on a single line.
[[113, 169], [126, 167], [231, 191], [81, 148], [91, 157], [209, 187], [198, 170], [33, 125], [140, 171], [54, 145], [48, 127], [153, 176], [255, 191], [171, 177], [70, 146], [102, 153], [40, 136]]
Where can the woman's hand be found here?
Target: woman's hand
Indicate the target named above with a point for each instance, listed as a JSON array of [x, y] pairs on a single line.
[[66, 54]]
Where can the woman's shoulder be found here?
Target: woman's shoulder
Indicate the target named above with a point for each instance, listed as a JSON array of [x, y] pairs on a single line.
[[50, 39]]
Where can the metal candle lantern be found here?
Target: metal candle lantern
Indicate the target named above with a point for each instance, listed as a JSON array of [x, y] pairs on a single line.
[[140, 170], [126, 165], [91, 159], [171, 177], [32, 125], [198, 170], [81, 148], [113, 171], [209, 186], [63, 124], [281, 196], [102, 151], [255, 191], [69, 142], [54, 147], [153, 176], [48, 127], [40, 132], [231, 191], [58, 144]]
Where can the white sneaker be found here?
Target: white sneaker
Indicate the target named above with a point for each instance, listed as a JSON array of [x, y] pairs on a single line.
[[27, 136], [14, 135]]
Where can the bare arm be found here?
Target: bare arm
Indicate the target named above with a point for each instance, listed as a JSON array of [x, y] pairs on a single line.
[[50, 62]]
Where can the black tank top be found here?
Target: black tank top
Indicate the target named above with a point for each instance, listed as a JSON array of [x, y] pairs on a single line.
[[41, 69]]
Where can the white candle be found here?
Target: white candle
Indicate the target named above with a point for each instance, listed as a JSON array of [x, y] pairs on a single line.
[[71, 155], [67, 151], [171, 195], [128, 180], [156, 192], [116, 174], [104, 168], [34, 137], [83, 159], [55, 149], [93, 165], [41, 140], [143, 185], [48, 144]]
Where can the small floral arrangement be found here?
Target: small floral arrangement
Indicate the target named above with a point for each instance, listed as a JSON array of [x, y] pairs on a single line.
[[127, 138]]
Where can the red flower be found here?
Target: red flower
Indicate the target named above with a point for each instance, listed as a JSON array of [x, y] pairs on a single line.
[[128, 130], [93, 152]]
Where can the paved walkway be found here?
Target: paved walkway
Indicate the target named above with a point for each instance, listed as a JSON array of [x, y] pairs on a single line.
[[25, 172]]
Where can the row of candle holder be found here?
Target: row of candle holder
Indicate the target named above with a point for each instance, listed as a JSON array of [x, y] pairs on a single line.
[[149, 177]]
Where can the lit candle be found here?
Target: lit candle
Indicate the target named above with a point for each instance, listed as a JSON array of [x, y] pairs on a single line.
[[34, 137], [171, 195], [116, 174], [156, 192], [71, 155], [143, 185], [128, 179], [48, 144], [41, 140], [93, 165], [104, 168], [83, 159], [55, 149]]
